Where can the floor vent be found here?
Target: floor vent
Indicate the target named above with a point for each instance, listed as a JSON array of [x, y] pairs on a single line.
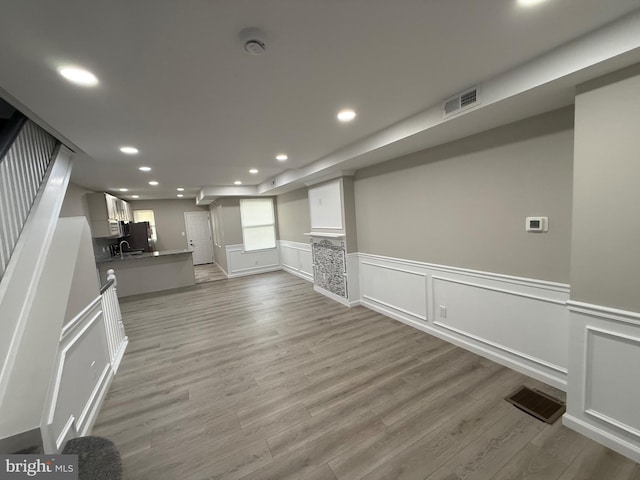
[[460, 102], [534, 402]]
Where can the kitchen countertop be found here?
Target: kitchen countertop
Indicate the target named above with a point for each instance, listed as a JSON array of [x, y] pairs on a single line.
[[138, 256]]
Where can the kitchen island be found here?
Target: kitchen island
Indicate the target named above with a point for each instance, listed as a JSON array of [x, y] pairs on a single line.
[[150, 271]]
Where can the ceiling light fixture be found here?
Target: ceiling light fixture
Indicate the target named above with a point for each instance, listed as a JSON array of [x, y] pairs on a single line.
[[237, 182], [129, 150], [79, 76], [135, 196], [145, 169], [153, 183], [281, 157], [180, 189], [530, 3], [346, 115], [253, 171], [180, 195], [123, 189]]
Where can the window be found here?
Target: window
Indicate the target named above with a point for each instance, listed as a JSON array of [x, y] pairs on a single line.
[[258, 223], [146, 216]]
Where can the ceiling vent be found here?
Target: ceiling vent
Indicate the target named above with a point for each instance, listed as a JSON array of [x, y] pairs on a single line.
[[461, 102]]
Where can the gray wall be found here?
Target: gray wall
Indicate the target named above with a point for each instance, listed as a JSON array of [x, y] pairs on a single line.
[[219, 252], [75, 203], [169, 215], [229, 227], [350, 214], [605, 249], [293, 215], [464, 203], [85, 286], [231, 221]]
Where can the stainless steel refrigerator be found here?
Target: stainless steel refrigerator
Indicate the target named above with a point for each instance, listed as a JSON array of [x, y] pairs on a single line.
[[140, 237]]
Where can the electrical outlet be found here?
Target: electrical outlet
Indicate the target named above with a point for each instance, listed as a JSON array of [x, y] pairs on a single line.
[[443, 311]]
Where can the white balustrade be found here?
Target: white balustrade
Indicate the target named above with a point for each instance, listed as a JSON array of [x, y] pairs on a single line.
[[22, 171], [116, 338]]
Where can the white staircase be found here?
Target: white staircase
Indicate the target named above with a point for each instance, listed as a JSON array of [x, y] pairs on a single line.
[[55, 348]]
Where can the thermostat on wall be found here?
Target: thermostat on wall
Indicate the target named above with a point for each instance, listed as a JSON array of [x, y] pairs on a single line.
[[537, 224]]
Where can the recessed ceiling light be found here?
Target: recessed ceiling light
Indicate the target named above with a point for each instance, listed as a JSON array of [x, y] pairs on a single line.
[[180, 195], [123, 189], [135, 196], [346, 115], [145, 169], [253, 170], [129, 150], [153, 183], [237, 182], [281, 157], [530, 3], [79, 76], [180, 189]]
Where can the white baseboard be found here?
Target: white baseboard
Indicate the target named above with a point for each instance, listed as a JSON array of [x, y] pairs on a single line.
[[602, 436], [475, 310], [298, 273], [295, 258], [222, 269], [468, 344], [331, 295], [603, 395], [241, 263], [254, 271]]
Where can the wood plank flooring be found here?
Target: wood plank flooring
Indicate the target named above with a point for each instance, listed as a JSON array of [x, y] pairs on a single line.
[[209, 272], [260, 378]]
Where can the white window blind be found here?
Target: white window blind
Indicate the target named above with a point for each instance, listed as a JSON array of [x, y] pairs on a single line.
[[258, 223]]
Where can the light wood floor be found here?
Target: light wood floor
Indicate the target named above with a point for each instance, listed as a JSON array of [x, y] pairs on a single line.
[[209, 272], [261, 378]]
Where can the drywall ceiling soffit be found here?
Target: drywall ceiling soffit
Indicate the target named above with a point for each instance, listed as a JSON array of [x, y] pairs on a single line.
[[539, 86]]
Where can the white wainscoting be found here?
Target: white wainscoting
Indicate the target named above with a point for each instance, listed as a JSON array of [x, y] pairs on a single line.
[[518, 322], [604, 392], [295, 258], [242, 263], [80, 381]]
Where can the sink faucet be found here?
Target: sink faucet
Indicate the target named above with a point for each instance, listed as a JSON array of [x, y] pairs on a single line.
[[121, 252]]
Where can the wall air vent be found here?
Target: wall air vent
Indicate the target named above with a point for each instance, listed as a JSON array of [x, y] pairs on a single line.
[[461, 102]]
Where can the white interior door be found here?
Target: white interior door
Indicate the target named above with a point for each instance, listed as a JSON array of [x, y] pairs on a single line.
[[199, 236]]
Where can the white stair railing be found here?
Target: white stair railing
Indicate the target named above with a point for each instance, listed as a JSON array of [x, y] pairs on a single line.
[[116, 339], [22, 171], [90, 347]]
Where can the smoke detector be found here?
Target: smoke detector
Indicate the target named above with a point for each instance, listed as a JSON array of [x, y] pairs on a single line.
[[253, 41]]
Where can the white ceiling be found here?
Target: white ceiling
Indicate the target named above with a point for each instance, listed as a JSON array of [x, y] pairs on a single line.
[[175, 82]]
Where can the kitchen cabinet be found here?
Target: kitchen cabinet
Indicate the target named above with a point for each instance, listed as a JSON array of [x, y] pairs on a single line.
[[106, 213], [124, 212]]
